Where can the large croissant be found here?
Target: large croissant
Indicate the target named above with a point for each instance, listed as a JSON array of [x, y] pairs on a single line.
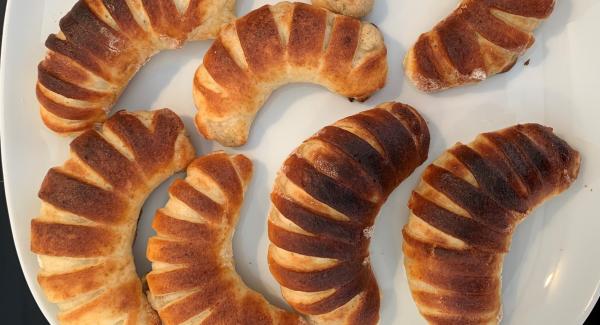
[[324, 204], [279, 44], [479, 39], [103, 43], [354, 8], [193, 278], [463, 214], [90, 208]]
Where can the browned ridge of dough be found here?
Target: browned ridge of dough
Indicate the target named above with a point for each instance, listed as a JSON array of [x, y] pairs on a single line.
[[90, 208], [193, 278], [103, 43], [354, 8], [479, 39], [324, 203], [279, 44], [464, 212]]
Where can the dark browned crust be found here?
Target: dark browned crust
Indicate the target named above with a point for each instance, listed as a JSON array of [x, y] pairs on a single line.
[[474, 200], [315, 281], [307, 35], [344, 172], [196, 200], [327, 190], [97, 153], [224, 70], [515, 170], [57, 239], [341, 296], [371, 161], [260, 40], [316, 223], [459, 42], [342, 46], [153, 147], [68, 193], [455, 41]]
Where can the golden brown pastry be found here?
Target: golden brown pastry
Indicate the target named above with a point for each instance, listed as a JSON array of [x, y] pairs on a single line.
[[463, 214], [354, 8], [275, 45], [90, 207], [193, 278], [103, 43], [324, 204], [479, 39]]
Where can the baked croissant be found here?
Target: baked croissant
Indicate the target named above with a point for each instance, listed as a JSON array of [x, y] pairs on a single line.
[[479, 39], [354, 8], [463, 214], [103, 43], [324, 204], [279, 44], [193, 278], [90, 208]]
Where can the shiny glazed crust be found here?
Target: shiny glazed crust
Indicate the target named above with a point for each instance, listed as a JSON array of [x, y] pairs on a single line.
[[464, 212], [90, 207], [193, 278], [103, 43], [479, 39], [354, 8], [275, 45], [324, 203]]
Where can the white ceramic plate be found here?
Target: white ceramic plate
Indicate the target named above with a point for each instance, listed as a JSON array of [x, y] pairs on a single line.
[[552, 273]]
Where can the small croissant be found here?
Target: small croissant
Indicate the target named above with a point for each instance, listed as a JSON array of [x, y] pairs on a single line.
[[324, 203], [464, 212], [102, 44], [193, 278], [279, 44], [479, 39]]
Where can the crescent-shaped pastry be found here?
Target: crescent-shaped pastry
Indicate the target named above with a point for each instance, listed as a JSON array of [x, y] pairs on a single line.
[[275, 45], [463, 214], [354, 8], [324, 203], [479, 39], [103, 43], [193, 278], [90, 208]]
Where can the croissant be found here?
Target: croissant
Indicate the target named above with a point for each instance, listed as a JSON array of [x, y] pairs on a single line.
[[103, 43], [479, 39], [193, 278], [354, 8], [90, 207], [463, 214], [324, 203], [279, 44]]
